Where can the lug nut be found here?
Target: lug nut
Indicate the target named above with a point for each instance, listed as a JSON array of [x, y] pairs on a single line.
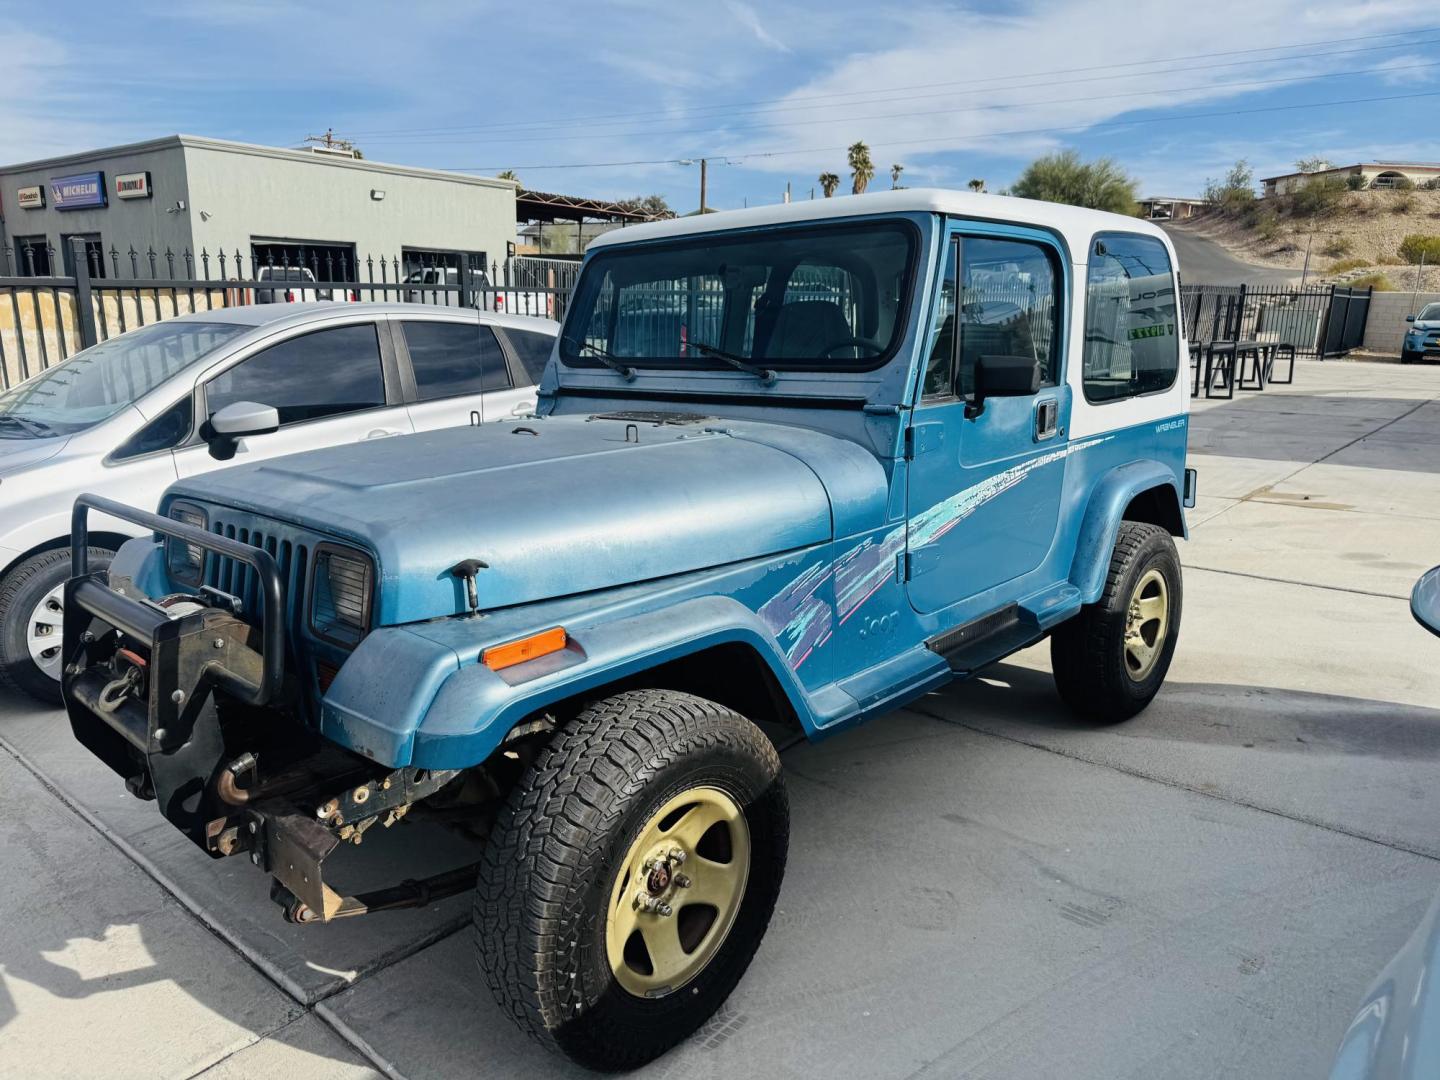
[[664, 910], [677, 856], [682, 882]]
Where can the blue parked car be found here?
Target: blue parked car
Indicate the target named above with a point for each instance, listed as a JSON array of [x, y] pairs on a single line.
[[1422, 340], [792, 467]]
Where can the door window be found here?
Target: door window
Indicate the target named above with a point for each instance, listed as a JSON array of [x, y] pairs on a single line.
[[1132, 338], [1007, 305], [327, 373], [453, 358]]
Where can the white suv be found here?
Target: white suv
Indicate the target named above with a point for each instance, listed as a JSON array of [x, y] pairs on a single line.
[[132, 414]]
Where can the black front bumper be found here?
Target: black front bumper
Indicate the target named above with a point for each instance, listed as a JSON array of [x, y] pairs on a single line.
[[186, 702]]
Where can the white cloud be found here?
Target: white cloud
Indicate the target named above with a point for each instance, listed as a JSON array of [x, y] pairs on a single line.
[[750, 19]]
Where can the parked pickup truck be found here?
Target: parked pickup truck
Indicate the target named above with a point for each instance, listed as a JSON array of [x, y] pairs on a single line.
[[892, 440]]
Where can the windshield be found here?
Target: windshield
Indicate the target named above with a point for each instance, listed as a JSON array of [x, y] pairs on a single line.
[[826, 297], [95, 384], [1428, 312], [280, 273]]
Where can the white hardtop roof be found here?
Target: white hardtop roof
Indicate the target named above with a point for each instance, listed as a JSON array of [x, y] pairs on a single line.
[[1075, 224]]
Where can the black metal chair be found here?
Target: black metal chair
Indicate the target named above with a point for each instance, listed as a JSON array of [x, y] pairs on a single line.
[[1283, 350], [1220, 361]]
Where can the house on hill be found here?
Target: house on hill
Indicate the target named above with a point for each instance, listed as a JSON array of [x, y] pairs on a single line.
[[1376, 174]]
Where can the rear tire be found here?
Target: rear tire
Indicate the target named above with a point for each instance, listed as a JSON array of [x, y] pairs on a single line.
[[1110, 659], [31, 611], [589, 833]]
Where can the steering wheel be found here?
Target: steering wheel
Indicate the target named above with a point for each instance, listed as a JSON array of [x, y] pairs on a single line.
[[855, 343]]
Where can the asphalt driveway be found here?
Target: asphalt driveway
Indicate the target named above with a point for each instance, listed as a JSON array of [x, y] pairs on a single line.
[[978, 886]]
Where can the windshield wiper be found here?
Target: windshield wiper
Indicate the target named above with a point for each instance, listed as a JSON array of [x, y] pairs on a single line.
[[33, 427], [739, 363], [614, 363]]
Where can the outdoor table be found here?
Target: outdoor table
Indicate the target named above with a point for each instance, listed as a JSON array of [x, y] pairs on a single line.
[[1262, 353]]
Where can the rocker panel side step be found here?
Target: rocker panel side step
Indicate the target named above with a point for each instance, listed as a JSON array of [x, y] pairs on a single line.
[[981, 641]]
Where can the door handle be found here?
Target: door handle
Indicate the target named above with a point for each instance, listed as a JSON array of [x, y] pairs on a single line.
[[523, 408], [1047, 419], [381, 433]]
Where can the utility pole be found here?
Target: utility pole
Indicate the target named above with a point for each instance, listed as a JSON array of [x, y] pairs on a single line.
[[703, 164]]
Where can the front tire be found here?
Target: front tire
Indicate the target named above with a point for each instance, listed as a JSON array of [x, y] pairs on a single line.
[[631, 875], [32, 608], [1408, 357], [1110, 660]]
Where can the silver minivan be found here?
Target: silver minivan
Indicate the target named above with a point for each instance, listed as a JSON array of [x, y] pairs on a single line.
[[132, 414]]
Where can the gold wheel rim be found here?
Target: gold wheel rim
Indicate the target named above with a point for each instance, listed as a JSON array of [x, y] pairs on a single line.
[[677, 892], [1147, 622]]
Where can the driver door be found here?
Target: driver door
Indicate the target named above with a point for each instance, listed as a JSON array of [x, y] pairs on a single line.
[[985, 483]]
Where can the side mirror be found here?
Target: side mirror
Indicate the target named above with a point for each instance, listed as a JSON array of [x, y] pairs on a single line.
[[236, 421], [1425, 601], [1002, 376], [1409, 318]]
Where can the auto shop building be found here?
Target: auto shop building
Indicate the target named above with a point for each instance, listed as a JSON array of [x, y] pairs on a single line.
[[185, 193]]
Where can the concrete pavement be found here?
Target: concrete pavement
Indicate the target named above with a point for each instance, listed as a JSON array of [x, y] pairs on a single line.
[[978, 886]]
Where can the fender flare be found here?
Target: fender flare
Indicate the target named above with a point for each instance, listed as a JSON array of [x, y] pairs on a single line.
[[1109, 498], [471, 708]]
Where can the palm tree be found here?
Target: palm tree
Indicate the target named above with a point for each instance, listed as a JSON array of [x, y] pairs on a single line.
[[976, 185], [862, 169], [895, 171], [508, 174], [828, 183]]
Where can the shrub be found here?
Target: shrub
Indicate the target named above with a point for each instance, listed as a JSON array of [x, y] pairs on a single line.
[[1348, 264], [1064, 178], [1267, 226], [1378, 282], [1404, 202], [1337, 247], [1417, 245], [1390, 260], [1235, 194], [1432, 184], [1319, 196], [1403, 183], [1356, 182]]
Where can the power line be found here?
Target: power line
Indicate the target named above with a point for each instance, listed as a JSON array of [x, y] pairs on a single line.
[[1148, 92], [737, 158], [1046, 77]]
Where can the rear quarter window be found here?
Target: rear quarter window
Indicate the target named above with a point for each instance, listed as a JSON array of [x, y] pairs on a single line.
[[1132, 328]]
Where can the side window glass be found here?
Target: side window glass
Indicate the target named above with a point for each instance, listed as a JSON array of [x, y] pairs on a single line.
[[1132, 340], [939, 371], [1007, 305], [165, 432], [454, 358], [327, 373], [533, 351]]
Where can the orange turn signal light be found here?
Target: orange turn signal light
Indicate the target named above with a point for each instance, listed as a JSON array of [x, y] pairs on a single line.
[[527, 648]]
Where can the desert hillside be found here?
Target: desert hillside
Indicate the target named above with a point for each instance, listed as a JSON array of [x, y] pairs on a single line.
[[1354, 236]]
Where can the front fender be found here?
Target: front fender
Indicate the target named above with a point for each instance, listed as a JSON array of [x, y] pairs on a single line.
[[404, 699], [1112, 493]]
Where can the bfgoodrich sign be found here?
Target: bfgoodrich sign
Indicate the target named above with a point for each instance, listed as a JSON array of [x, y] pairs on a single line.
[[77, 192], [135, 185]]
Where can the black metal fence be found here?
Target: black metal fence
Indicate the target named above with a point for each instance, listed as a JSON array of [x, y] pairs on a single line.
[[45, 317], [1321, 321]]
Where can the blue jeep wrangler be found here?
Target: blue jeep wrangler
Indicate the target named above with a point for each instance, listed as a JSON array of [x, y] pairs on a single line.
[[792, 467]]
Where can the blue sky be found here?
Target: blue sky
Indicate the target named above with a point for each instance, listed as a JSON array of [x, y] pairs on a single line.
[[770, 91]]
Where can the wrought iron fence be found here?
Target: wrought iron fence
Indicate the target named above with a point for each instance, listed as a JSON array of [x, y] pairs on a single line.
[[44, 318], [1320, 321]]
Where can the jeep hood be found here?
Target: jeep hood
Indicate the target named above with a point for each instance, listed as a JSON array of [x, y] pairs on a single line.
[[555, 507]]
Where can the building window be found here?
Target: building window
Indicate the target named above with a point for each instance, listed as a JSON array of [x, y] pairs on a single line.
[[94, 253], [31, 257], [1132, 338]]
